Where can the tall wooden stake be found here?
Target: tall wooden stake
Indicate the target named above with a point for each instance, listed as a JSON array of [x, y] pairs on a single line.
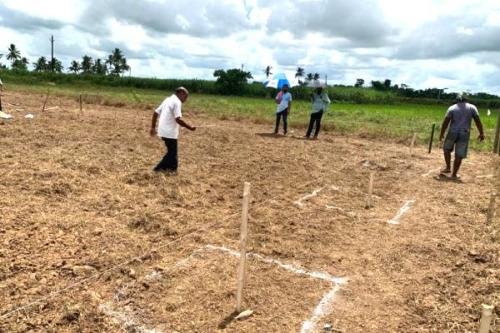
[[243, 247], [492, 208], [496, 144], [412, 144], [486, 317], [432, 137], [46, 99], [369, 199], [81, 104]]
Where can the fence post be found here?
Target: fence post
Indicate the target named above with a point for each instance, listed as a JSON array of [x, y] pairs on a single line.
[[432, 137], [496, 144], [243, 247]]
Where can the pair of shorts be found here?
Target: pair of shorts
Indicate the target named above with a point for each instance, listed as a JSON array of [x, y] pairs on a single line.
[[458, 141]]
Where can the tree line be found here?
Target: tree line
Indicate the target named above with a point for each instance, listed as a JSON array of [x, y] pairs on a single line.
[[115, 64]]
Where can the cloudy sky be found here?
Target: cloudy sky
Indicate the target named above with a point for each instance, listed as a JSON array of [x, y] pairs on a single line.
[[451, 44]]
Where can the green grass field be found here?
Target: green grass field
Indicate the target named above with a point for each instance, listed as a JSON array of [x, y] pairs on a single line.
[[394, 121]]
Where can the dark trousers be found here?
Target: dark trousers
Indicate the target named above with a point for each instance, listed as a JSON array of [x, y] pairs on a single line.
[[169, 161], [283, 114], [315, 119]]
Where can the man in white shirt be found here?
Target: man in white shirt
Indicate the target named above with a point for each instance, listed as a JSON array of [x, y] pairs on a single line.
[[170, 119]]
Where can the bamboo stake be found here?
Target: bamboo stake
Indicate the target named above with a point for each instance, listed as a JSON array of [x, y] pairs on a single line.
[[496, 144], [243, 247], [492, 208], [432, 137], [46, 99], [486, 317], [412, 144], [369, 200]]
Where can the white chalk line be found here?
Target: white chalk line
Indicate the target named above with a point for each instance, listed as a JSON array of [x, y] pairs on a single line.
[[126, 319], [427, 174], [322, 309], [289, 267], [300, 202], [485, 176], [307, 197], [324, 306], [402, 211]]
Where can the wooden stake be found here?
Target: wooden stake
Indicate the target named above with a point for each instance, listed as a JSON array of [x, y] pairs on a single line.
[[412, 144], [369, 200], [486, 317], [81, 104], [496, 144], [46, 99], [492, 208], [243, 247], [432, 137]]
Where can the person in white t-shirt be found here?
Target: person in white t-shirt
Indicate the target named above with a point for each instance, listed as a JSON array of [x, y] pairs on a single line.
[[284, 101], [170, 120]]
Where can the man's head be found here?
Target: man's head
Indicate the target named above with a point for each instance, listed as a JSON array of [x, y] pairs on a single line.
[[285, 88], [462, 97], [182, 93], [319, 90]]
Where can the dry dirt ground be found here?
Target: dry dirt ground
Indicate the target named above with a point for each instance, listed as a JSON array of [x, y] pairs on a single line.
[[92, 241]]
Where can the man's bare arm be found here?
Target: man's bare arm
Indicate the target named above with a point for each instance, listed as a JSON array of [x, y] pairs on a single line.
[[184, 124], [480, 128], [153, 124], [444, 127]]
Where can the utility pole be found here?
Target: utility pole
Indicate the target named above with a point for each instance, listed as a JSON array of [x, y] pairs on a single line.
[[326, 79], [52, 53]]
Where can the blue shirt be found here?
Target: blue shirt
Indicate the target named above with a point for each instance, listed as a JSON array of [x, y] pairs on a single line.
[[285, 102]]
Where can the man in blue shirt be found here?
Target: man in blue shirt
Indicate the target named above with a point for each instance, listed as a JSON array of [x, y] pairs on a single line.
[[284, 106], [459, 118]]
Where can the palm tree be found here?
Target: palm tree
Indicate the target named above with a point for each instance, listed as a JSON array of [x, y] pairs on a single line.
[[268, 72], [75, 67], [316, 76], [14, 53], [117, 62], [56, 65], [300, 72], [309, 77], [40, 65], [99, 67], [86, 65]]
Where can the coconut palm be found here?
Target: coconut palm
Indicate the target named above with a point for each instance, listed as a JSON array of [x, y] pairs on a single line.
[[117, 62], [300, 72], [99, 67], [86, 65], [40, 65], [56, 65], [268, 72], [14, 54], [75, 67], [316, 76]]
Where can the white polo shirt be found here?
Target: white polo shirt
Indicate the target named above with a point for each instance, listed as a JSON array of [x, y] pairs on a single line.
[[169, 110]]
